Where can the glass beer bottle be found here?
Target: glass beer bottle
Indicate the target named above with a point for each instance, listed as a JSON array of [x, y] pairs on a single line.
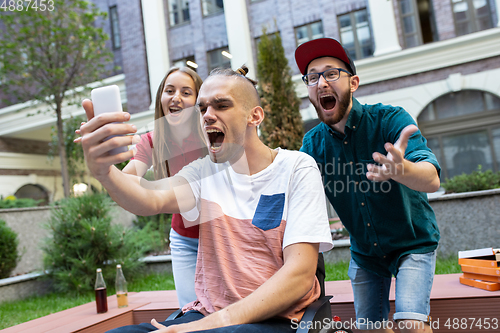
[[101, 299], [121, 288]]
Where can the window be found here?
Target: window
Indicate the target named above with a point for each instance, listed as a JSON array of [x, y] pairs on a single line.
[[471, 16], [308, 32], [179, 11], [212, 7], [355, 34], [186, 62], [417, 21], [115, 27], [217, 59], [35, 192], [463, 131]]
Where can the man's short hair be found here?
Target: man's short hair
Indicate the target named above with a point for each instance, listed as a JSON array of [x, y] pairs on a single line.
[[239, 73]]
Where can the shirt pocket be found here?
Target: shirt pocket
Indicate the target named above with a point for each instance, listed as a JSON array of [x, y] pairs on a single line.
[[269, 211]]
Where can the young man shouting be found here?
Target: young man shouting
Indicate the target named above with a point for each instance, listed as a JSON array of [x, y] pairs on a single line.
[[261, 213], [376, 167]]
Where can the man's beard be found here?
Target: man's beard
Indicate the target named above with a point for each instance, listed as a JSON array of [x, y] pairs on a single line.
[[343, 105]]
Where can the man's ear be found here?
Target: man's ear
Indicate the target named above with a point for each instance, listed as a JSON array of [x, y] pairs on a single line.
[[256, 116], [354, 83]]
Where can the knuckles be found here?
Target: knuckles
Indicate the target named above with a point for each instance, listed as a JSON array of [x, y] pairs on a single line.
[[85, 141]]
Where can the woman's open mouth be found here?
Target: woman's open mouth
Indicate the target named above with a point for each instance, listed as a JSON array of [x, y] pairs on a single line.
[[328, 101], [175, 110], [216, 138]]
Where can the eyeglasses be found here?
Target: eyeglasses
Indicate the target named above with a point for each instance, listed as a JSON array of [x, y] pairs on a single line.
[[332, 74]]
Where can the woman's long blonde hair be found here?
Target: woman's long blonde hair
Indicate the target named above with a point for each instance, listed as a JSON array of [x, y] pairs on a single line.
[[162, 134]]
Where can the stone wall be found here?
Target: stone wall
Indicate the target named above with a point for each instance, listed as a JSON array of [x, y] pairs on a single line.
[[468, 221], [28, 223]]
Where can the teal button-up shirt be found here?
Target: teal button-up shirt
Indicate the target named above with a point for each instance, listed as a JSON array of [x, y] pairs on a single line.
[[385, 220]]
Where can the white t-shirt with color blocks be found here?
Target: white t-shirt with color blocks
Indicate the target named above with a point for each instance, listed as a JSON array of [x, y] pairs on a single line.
[[247, 221]]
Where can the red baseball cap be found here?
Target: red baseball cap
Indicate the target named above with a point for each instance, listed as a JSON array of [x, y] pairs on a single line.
[[322, 47]]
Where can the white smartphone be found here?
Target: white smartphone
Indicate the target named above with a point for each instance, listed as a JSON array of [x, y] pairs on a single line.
[[107, 99]]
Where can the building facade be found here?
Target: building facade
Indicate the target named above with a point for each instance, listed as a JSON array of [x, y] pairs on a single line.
[[439, 59]]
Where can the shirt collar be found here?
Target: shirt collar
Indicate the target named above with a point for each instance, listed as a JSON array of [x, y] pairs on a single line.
[[355, 115]]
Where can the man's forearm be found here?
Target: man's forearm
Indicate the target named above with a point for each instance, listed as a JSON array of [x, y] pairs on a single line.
[[132, 193], [284, 289], [420, 176], [280, 292]]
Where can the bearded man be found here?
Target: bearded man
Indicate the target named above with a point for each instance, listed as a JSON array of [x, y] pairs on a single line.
[[376, 168]]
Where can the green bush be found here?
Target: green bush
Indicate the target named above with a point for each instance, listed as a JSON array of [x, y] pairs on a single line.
[[475, 181], [13, 202], [8, 250], [83, 240], [160, 226]]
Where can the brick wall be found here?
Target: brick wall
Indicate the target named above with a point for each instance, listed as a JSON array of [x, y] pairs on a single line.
[[198, 39], [134, 55], [199, 36], [295, 13], [444, 19], [494, 11], [23, 146], [116, 66]]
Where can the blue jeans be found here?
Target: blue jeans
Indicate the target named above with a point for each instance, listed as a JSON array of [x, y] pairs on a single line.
[[267, 326], [413, 290], [184, 254]]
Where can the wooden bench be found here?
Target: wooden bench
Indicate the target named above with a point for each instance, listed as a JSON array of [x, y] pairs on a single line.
[[143, 306], [449, 300]]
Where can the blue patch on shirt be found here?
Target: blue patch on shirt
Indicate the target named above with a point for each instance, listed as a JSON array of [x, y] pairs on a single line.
[[269, 211]]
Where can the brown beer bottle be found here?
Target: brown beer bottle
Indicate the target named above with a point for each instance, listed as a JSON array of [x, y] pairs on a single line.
[[101, 299]]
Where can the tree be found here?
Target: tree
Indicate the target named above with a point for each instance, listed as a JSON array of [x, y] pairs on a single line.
[[45, 53], [282, 125], [74, 154]]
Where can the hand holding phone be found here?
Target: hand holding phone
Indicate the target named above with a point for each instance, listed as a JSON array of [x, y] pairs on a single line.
[[107, 99]]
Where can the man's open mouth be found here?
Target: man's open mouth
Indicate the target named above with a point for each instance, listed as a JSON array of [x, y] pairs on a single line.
[[328, 101], [216, 138]]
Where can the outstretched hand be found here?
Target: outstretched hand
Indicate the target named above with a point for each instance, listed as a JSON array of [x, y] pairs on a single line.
[[391, 165], [96, 146]]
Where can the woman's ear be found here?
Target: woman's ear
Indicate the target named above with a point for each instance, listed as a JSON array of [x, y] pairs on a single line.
[[256, 116]]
